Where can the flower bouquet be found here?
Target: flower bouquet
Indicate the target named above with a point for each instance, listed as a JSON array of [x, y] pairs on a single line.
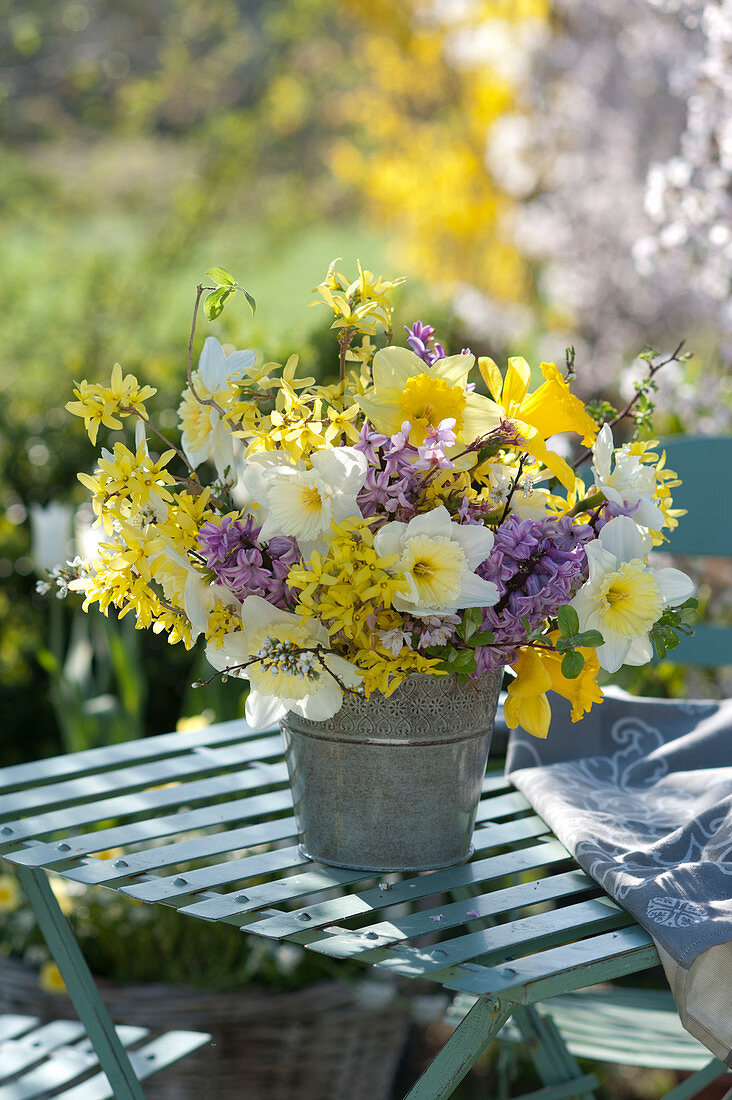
[[371, 553]]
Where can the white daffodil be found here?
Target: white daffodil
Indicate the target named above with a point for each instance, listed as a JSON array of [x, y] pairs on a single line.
[[204, 435], [182, 583], [623, 597], [276, 652], [628, 483], [437, 558], [303, 502]]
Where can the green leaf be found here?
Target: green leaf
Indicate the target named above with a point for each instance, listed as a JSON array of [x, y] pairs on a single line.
[[464, 661], [591, 639], [483, 637], [221, 276], [572, 665], [472, 621], [250, 299], [214, 303], [568, 620]]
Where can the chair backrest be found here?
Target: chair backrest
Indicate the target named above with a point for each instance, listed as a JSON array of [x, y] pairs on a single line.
[[704, 463], [705, 466]]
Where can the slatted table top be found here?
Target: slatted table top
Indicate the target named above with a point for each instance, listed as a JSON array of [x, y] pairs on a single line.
[[203, 822]]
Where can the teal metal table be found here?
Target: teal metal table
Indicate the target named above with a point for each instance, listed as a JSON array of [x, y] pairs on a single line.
[[203, 822]]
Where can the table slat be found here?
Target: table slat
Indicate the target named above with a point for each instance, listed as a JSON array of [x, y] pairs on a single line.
[[454, 914], [436, 882], [560, 969], [277, 892], [525, 933], [118, 836], [126, 752], [154, 800], [89, 787]]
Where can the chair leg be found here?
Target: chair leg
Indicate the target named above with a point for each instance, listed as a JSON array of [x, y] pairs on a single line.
[[697, 1081], [462, 1050], [80, 985], [552, 1060]]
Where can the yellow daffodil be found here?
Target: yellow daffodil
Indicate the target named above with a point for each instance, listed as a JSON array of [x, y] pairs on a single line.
[[539, 671], [407, 389], [550, 409]]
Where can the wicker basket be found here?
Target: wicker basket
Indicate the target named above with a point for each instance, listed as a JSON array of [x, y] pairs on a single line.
[[312, 1044]]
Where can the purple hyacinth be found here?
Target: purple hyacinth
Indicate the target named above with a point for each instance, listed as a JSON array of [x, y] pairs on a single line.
[[246, 566], [421, 339], [537, 565], [392, 485]]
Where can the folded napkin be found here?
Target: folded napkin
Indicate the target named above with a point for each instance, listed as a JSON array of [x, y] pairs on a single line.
[[641, 793]]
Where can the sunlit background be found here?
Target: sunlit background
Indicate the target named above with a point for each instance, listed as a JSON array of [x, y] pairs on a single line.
[[546, 174]]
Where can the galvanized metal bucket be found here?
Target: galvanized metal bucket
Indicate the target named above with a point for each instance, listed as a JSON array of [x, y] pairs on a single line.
[[393, 784]]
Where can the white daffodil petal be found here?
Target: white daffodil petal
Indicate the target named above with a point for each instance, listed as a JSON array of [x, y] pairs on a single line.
[[476, 541], [240, 361], [599, 560], [649, 514], [675, 587], [212, 365], [388, 539], [621, 538], [345, 467], [323, 704], [640, 652], [258, 615], [344, 670], [585, 604], [602, 453], [263, 711], [476, 592], [234, 650], [434, 523], [612, 654]]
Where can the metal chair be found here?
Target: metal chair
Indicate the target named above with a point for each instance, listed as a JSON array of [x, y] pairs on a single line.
[[57, 1059], [628, 1026]]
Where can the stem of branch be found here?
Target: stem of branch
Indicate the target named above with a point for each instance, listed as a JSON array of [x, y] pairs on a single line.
[[653, 369], [514, 485], [201, 400]]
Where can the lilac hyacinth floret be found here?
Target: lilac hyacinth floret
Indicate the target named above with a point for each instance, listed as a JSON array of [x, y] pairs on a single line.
[[244, 565], [392, 483], [537, 566], [421, 339]]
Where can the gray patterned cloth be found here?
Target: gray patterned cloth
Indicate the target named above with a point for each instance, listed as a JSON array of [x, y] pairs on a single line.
[[641, 793]]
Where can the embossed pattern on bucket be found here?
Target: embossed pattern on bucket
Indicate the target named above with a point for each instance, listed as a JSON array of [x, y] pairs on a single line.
[[393, 784]]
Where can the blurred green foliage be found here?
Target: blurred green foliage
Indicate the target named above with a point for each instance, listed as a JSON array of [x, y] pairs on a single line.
[[143, 144]]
